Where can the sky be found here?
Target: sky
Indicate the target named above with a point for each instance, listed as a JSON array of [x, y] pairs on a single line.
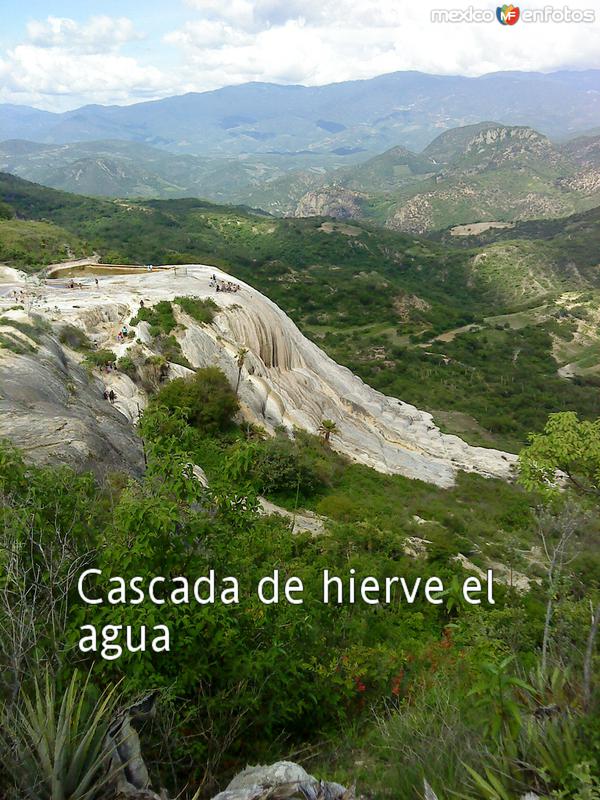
[[63, 54]]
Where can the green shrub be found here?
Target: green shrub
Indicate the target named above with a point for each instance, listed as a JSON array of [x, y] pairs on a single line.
[[207, 399], [100, 358], [127, 365], [202, 311], [6, 211], [160, 318], [170, 350], [283, 468], [58, 740], [74, 338]]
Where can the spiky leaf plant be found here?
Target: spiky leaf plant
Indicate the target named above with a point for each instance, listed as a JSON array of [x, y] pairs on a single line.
[[57, 746]]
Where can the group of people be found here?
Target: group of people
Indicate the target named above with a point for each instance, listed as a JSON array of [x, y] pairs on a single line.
[[20, 296], [73, 285], [27, 298], [223, 286], [110, 395], [123, 333]]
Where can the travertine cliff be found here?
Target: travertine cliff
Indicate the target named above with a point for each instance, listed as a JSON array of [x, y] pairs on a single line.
[[286, 379]]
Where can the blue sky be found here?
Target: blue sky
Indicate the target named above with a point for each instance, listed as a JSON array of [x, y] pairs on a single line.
[[62, 54]]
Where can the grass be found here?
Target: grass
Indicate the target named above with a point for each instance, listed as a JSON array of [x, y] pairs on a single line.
[[200, 310], [22, 337], [30, 245]]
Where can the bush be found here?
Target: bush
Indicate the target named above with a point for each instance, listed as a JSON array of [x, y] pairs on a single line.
[[6, 211], [283, 467], [127, 365], [74, 338], [202, 311], [100, 358], [207, 399], [59, 740], [160, 318], [170, 350]]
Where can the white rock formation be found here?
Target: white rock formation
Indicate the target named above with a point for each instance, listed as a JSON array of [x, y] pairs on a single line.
[[279, 781], [54, 411], [286, 379]]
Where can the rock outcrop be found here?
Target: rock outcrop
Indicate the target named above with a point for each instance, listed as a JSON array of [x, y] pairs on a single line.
[[286, 380], [54, 410], [282, 781], [331, 201]]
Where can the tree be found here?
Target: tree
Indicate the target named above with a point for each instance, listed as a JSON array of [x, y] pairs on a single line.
[[240, 361], [566, 445], [556, 532], [327, 429], [571, 447]]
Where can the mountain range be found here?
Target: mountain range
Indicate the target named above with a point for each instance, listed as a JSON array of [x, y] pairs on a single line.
[[117, 168], [401, 108], [485, 172], [488, 171]]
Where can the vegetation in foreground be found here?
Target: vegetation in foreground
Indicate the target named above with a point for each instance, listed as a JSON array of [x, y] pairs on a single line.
[[486, 702]]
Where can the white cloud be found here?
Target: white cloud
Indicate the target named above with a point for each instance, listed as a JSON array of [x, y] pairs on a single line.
[[41, 71], [96, 36], [64, 63], [207, 34], [237, 12], [322, 41]]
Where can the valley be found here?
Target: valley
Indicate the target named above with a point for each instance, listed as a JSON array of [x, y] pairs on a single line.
[[465, 176]]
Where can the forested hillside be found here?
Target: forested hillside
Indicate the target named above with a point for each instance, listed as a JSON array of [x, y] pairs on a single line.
[[474, 333]]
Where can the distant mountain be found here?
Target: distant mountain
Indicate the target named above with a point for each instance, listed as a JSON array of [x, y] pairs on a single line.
[[124, 169], [484, 172], [402, 108], [585, 150]]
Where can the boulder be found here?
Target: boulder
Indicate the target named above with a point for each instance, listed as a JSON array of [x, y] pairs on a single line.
[[282, 781]]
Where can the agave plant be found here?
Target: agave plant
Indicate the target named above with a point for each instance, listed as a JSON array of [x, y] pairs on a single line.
[[58, 747]]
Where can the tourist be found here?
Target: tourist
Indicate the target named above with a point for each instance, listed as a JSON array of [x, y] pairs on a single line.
[[112, 396]]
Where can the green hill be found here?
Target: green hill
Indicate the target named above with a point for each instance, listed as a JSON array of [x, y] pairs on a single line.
[[416, 318], [115, 168], [30, 244], [485, 172]]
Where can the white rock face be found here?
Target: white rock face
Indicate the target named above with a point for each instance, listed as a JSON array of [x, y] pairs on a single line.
[[281, 780], [55, 412], [286, 379]]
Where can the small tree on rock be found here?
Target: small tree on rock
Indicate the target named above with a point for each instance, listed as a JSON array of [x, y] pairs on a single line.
[[327, 429]]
